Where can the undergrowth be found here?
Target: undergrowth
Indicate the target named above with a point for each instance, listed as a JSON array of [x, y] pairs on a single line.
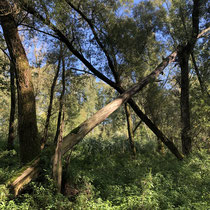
[[104, 175]]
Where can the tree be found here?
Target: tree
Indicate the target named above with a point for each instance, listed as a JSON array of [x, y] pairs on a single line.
[[184, 55], [27, 125], [58, 33]]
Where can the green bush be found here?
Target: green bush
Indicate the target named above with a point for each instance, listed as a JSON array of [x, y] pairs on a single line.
[[102, 175]]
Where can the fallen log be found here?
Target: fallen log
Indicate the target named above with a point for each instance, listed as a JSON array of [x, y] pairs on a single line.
[[23, 177], [76, 135]]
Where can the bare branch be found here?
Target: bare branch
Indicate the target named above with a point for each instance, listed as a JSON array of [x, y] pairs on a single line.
[[201, 34], [44, 32]]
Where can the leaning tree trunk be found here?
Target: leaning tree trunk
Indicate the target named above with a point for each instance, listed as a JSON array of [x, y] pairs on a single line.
[[81, 131], [130, 129], [27, 124], [11, 135]]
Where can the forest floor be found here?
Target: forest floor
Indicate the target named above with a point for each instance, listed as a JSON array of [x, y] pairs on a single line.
[[104, 175]]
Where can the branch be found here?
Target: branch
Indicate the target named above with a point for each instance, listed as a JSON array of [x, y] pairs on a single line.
[[81, 70], [44, 32], [111, 65], [4, 51], [200, 35], [65, 40]]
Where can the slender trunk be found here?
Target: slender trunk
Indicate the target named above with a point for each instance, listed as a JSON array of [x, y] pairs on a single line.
[[61, 100], [45, 135], [11, 135], [130, 129], [57, 161], [27, 124], [184, 101]]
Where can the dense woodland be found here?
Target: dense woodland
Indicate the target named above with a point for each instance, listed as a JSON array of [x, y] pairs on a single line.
[[104, 104]]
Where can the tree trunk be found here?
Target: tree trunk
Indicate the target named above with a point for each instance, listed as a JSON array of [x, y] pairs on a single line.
[[57, 160], [11, 135], [130, 129], [184, 101], [61, 100], [49, 111], [27, 125], [183, 56]]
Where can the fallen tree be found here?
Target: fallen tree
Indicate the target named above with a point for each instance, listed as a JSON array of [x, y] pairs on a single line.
[[76, 135]]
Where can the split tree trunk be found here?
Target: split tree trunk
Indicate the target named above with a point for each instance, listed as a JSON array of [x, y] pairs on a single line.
[[11, 135], [27, 124]]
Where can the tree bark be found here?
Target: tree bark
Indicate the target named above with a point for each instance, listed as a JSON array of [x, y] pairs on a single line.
[[27, 124], [11, 135], [130, 129]]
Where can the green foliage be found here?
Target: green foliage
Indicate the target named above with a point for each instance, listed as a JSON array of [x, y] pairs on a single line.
[[103, 175], [148, 182], [9, 164]]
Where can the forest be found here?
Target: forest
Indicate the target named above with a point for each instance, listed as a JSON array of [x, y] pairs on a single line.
[[105, 104]]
